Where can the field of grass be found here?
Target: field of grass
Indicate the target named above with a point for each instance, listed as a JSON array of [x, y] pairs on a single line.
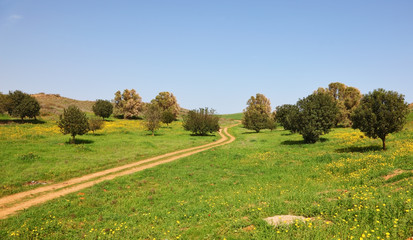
[[234, 116], [35, 154], [343, 184]]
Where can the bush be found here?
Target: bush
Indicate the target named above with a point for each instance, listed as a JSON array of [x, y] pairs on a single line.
[[103, 108], [74, 122], [96, 124], [380, 112], [317, 114], [201, 122]]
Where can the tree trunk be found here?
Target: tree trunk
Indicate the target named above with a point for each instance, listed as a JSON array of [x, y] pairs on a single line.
[[73, 139], [153, 133], [384, 143]]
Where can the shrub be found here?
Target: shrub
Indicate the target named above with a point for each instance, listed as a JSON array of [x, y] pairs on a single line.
[[96, 124], [74, 122], [103, 108], [167, 117], [201, 122], [380, 112]]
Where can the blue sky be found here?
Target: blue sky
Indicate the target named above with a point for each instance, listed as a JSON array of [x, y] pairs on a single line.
[[208, 53]]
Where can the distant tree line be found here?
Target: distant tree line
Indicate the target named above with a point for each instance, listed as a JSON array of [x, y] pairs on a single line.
[[377, 113]]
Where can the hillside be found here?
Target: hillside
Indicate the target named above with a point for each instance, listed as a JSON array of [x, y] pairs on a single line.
[[53, 104]]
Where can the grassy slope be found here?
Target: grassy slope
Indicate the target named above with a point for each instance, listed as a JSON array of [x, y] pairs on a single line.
[[39, 152], [52, 104], [225, 193], [234, 116]]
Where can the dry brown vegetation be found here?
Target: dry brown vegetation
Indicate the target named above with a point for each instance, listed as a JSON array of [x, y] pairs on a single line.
[[53, 104]]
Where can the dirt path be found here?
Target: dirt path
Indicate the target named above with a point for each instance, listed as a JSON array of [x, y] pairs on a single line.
[[10, 205]]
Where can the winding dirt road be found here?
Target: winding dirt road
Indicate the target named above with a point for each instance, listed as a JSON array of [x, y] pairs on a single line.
[[10, 205]]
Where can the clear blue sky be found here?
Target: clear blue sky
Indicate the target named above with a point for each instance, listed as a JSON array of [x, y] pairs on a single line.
[[208, 53]]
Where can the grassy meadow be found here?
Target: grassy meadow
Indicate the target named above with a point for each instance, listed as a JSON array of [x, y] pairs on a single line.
[[346, 185], [33, 154]]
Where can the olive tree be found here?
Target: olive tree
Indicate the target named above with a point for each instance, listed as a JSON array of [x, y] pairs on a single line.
[[74, 122], [102, 108], [167, 102], [380, 112], [257, 115], [128, 104], [201, 122], [316, 116], [153, 116]]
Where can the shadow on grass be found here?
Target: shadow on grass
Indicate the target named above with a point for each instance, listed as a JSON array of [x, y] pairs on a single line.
[[359, 149], [301, 142], [250, 132], [156, 134], [96, 134], [19, 121], [286, 134], [80, 141], [206, 135]]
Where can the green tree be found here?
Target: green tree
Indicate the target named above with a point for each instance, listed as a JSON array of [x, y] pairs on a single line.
[[153, 116], [201, 122], [128, 104], [74, 122], [102, 108], [5, 102], [272, 122], [347, 99], [258, 113], [167, 102], [317, 113], [287, 116], [380, 112], [96, 124], [22, 105], [167, 117]]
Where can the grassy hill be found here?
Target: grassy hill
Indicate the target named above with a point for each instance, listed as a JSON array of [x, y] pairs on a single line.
[[53, 104]]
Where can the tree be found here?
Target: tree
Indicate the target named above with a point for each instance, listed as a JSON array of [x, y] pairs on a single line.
[[102, 108], [153, 116], [22, 105], [167, 102], [317, 113], [272, 123], [74, 122], [95, 124], [167, 117], [287, 116], [347, 99], [257, 114], [201, 122], [128, 104], [380, 112], [5, 102]]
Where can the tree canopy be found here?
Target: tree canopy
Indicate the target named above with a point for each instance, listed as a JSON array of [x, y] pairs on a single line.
[[380, 113], [74, 122], [102, 108], [167, 102], [128, 104], [317, 113], [22, 105], [257, 115]]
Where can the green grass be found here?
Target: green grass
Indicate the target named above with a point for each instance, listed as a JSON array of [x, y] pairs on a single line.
[[38, 152], [234, 116], [225, 193]]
